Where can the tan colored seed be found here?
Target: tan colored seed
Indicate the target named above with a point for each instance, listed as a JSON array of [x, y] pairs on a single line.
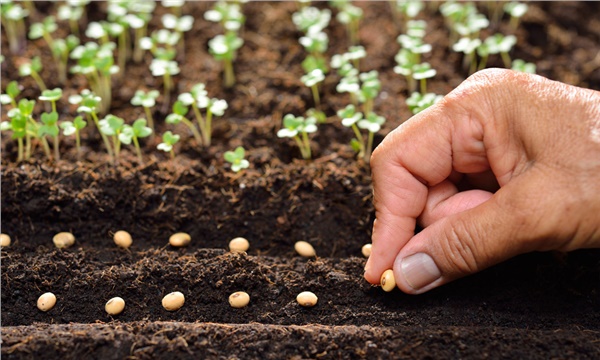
[[115, 306], [366, 250], [63, 240], [239, 299], [180, 239], [46, 301], [388, 282], [304, 249], [122, 239], [4, 240], [307, 299], [173, 301], [239, 244]]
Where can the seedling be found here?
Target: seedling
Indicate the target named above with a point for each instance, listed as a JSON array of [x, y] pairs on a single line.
[[72, 11], [52, 96], [388, 282], [63, 240], [408, 9], [315, 43], [236, 158], [61, 48], [422, 72], [498, 43], [372, 123], [10, 97], [350, 117], [13, 16], [88, 104], [50, 127], [418, 102], [166, 69], [298, 128], [239, 244], [305, 249], [307, 299], [175, 5], [310, 19], [74, 127], [239, 299], [44, 29], [180, 239], [139, 22], [516, 10], [146, 100], [312, 80], [114, 306], [133, 133], [123, 239], [112, 126], [173, 301], [468, 47], [179, 25], [472, 25], [229, 15], [522, 66], [23, 126], [168, 141], [416, 28], [350, 16], [46, 301], [178, 115], [223, 48], [369, 89], [33, 69]]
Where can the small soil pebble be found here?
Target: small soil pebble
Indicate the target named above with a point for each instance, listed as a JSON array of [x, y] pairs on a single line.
[[115, 306], [307, 299], [239, 299], [4, 240], [46, 301], [173, 301], [239, 244], [366, 250], [122, 239], [388, 282], [63, 240], [180, 239], [304, 249]]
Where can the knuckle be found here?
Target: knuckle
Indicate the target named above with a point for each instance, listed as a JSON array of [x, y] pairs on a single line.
[[461, 250]]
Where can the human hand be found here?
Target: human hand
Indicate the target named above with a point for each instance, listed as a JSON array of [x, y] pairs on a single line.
[[505, 164]]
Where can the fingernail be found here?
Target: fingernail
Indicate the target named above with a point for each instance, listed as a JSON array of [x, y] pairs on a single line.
[[419, 270]]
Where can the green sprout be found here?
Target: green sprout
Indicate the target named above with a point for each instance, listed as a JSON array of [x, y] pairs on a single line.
[[10, 97], [236, 158], [416, 28], [422, 72], [472, 25], [522, 66], [168, 141], [138, 20], [369, 89], [468, 47], [166, 69], [73, 11], [498, 43], [134, 132], [418, 102], [113, 126], [61, 48], [179, 25], [50, 127], [223, 48], [69, 128], [146, 100], [516, 10], [350, 117], [311, 19], [228, 14], [52, 96], [372, 123], [33, 69], [312, 81], [13, 16], [175, 5], [44, 29], [89, 104], [178, 115], [298, 128], [350, 16], [315, 43]]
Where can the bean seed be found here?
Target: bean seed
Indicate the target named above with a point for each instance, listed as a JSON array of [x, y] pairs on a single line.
[[239, 244], [388, 282], [366, 250], [305, 249], [307, 299], [115, 306], [46, 301], [4, 240], [173, 301], [123, 239], [63, 240], [239, 299], [180, 239]]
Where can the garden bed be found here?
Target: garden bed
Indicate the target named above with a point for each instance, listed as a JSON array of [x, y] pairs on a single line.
[[542, 305]]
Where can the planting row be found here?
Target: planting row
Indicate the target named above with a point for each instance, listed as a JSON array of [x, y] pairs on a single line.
[[123, 35]]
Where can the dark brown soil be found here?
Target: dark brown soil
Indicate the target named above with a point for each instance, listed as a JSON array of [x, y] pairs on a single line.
[[542, 305]]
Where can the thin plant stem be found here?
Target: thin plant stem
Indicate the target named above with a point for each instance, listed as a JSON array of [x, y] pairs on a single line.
[[46, 147], [301, 147], [167, 85], [199, 119], [306, 145], [315, 93], [104, 138], [369, 146], [195, 132], [137, 149], [229, 76], [482, 63], [20, 153], [172, 153], [360, 139], [27, 146], [423, 86], [149, 116], [38, 80], [56, 148], [207, 134], [78, 144], [506, 59]]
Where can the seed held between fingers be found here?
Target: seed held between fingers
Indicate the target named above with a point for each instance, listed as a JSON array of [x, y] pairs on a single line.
[[239, 244], [122, 239], [115, 306], [46, 301], [366, 250], [239, 299], [388, 282], [307, 299], [63, 240], [4, 240], [305, 249], [173, 301], [180, 239]]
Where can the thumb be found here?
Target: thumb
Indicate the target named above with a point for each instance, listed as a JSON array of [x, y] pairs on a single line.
[[470, 241]]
